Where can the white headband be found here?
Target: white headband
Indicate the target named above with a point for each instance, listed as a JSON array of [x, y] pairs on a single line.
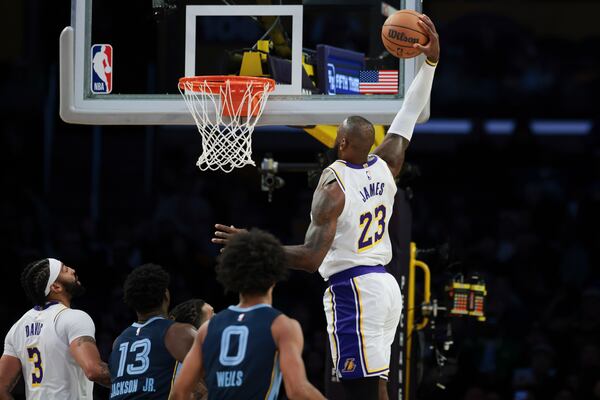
[[54, 266]]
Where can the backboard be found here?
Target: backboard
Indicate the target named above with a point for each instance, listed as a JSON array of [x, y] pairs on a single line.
[[120, 61]]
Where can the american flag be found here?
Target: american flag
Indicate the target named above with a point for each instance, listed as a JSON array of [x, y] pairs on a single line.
[[380, 82]]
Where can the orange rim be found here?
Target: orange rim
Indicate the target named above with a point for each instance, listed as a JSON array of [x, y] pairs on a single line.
[[198, 83]]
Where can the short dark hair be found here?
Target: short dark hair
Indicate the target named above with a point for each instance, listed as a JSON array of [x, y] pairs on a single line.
[[34, 279], [189, 312], [358, 123], [145, 287], [251, 263]]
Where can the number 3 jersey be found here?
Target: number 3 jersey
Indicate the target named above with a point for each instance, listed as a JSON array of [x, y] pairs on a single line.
[[140, 365], [40, 340], [361, 236], [241, 361]]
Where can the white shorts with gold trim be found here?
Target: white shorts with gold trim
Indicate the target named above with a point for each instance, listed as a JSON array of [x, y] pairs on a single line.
[[363, 307]]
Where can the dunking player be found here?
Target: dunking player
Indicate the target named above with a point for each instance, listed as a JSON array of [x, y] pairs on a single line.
[[243, 351], [52, 345], [348, 242], [143, 359]]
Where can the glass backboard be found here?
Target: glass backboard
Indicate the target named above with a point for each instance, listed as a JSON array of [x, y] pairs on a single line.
[[121, 61]]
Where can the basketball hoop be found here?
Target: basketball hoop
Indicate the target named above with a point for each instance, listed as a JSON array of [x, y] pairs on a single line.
[[226, 110]]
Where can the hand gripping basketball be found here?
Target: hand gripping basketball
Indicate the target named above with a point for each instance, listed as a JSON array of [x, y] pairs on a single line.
[[432, 48]]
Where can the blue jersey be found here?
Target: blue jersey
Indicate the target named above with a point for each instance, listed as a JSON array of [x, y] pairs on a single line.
[[140, 365], [239, 355]]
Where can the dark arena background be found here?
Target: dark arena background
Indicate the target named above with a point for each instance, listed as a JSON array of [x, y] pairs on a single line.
[[503, 183]]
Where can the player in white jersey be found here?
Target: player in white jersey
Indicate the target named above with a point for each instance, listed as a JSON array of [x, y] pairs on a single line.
[[52, 346], [348, 241]]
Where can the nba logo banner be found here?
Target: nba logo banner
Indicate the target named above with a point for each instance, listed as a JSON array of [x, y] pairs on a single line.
[[102, 62]]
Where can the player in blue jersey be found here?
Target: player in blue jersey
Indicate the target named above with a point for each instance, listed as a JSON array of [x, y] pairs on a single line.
[[244, 351], [144, 356]]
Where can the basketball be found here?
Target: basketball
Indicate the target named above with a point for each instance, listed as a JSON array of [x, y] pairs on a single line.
[[400, 31]]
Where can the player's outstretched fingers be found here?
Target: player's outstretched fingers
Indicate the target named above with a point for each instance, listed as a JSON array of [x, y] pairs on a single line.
[[223, 233], [430, 32], [429, 22]]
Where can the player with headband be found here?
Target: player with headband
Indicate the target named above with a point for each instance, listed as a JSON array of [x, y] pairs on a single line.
[[52, 346]]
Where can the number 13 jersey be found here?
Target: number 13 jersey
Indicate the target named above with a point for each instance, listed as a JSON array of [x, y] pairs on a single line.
[[140, 364], [361, 236]]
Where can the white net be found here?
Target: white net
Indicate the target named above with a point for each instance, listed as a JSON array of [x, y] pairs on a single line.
[[226, 112]]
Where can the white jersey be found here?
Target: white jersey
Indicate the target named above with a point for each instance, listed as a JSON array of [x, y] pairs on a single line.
[[361, 236], [40, 340]]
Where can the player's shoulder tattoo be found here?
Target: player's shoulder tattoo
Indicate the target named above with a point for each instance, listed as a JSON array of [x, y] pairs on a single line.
[[84, 339], [327, 177]]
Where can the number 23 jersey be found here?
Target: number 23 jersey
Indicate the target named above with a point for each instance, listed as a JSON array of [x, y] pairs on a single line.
[[361, 236]]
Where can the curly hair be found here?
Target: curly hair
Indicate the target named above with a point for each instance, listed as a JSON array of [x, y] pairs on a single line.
[[189, 312], [145, 287], [34, 279], [251, 263]]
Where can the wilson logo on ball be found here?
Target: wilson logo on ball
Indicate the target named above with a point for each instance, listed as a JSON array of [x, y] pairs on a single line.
[[392, 34]]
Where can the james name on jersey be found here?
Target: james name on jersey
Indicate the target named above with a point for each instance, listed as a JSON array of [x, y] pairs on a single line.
[[374, 189]]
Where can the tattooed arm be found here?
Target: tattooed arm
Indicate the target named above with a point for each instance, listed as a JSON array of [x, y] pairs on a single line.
[[10, 373], [84, 351], [327, 205]]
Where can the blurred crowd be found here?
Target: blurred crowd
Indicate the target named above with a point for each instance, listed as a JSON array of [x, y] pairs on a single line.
[[521, 211], [525, 218]]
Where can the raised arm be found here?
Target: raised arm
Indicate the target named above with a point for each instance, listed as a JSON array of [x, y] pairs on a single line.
[[327, 205], [396, 140], [289, 341], [192, 370]]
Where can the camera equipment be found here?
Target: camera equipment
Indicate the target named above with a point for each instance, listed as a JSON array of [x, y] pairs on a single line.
[[269, 168]]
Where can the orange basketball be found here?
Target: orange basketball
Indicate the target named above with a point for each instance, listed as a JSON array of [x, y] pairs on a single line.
[[400, 31]]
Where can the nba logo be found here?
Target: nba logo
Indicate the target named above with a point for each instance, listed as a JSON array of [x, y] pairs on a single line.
[[102, 62]]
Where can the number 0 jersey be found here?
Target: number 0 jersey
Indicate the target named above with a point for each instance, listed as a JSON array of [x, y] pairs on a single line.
[[40, 340], [361, 236], [240, 358]]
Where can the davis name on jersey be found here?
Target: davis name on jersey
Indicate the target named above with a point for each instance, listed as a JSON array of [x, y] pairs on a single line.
[[40, 340], [34, 329]]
